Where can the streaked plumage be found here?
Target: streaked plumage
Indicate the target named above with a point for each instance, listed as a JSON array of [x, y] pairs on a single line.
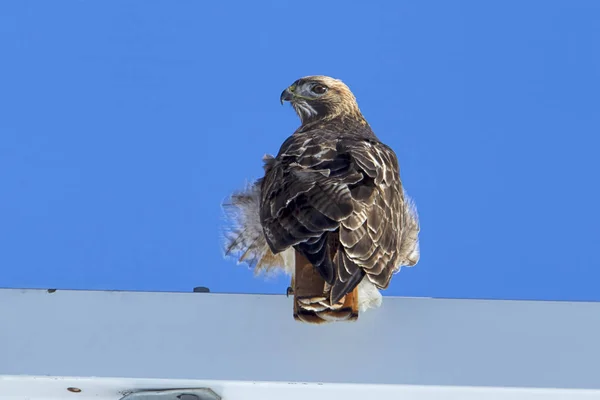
[[333, 193]]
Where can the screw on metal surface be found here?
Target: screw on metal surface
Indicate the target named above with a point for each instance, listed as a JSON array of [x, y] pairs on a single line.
[[201, 289], [74, 389]]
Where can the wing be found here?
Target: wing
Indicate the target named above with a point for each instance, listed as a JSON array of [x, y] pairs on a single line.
[[372, 236], [339, 202]]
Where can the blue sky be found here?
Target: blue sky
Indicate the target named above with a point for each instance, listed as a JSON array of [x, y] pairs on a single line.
[[126, 124]]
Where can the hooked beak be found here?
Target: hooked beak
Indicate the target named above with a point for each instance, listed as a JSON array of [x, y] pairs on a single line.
[[286, 95]]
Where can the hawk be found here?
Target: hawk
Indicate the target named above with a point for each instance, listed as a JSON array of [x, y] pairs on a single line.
[[330, 209]]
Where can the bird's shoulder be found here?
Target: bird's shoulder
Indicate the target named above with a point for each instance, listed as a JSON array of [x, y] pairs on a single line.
[[327, 139], [339, 145]]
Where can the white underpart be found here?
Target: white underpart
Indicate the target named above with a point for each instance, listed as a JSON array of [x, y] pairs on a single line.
[[368, 295], [410, 242], [289, 261]]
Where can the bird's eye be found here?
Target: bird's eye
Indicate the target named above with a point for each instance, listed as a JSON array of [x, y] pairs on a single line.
[[319, 89]]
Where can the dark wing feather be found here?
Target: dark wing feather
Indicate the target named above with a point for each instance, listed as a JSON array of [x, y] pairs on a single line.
[[338, 200], [373, 245], [305, 195]]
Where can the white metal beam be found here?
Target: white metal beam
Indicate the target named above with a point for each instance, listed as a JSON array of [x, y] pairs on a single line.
[[419, 345]]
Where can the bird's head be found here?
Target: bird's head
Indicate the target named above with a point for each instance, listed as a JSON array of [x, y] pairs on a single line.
[[317, 98]]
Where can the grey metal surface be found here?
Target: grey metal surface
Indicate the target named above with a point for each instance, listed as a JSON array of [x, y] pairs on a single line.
[[254, 338]]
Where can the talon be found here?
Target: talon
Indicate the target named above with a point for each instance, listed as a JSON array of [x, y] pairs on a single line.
[[289, 291]]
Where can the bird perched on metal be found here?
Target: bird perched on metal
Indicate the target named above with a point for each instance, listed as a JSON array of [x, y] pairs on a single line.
[[330, 209]]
